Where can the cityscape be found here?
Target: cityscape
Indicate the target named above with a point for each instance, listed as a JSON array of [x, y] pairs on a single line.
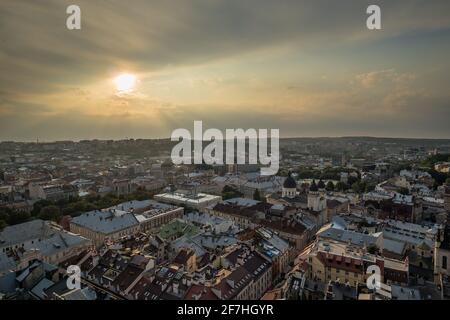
[[139, 227], [318, 167]]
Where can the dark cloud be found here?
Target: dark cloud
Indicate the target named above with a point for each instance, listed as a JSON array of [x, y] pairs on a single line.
[[40, 57]]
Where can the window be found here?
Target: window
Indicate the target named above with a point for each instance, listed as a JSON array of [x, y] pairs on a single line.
[[444, 262]]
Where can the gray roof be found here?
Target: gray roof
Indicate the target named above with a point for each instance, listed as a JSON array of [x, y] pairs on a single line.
[[393, 246], [106, 222], [80, 294], [356, 238], [8, 283], [244, 202], [57, 242], [26, 272], [211, 241], [39, 288], [185, 242], [273, 240], [23, 232], [134, 204], [402, 293], [405, 236], [6, 263], [203, 218], [339, 223], [47, 240]]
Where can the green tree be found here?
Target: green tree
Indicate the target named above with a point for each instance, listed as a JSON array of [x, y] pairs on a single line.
[[340, 186], [38, 205], [359, 187], [432, 160], [372, 249], [229, 192], [3, 224], [16, 217], [50, 213], [329, 186], [369, 187]]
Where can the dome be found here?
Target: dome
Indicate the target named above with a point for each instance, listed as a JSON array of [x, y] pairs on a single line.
[[321, 184], [290, 183]]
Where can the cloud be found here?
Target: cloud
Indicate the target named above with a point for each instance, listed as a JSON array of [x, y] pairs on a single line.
[[218, 60], [386, 77]]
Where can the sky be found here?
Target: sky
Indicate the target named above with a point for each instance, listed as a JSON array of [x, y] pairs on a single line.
[[308, 68]]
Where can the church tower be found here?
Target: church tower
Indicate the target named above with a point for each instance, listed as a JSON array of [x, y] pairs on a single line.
[[289, 189], [316, 199]]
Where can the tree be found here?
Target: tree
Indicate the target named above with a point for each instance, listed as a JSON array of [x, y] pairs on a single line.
[[229, 192], [50, 213], [329, 186], [340, 186], [439, 177], [3, 224], [359, 187], [4, 213], [369, 187], [404, 191], [256, 195], [16, 217], [38, 205], [432, 160], [372, 249]]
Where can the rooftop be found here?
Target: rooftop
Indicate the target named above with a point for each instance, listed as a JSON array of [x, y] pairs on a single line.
[[106, 222], [23, 232]]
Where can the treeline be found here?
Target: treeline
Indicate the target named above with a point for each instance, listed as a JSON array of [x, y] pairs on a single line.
[[432, 160], [54, 210], [353, 184], [439, 177], [229, 192], [325, 174]]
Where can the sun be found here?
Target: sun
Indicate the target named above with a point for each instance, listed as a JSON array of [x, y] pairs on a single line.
[[125, 82]]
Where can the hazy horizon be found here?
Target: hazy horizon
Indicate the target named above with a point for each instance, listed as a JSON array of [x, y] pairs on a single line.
[[281, 138], [308, 68]]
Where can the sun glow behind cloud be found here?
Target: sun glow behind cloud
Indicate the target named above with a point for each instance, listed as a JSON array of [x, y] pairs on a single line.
[[125, 83], [150, 64]]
